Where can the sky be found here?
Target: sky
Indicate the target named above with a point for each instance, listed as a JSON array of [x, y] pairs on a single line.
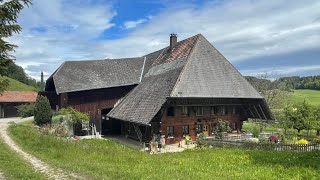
[[275, 37]]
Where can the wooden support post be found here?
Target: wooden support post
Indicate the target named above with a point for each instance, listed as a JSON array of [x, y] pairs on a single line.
[[262, 112], [257, 111]]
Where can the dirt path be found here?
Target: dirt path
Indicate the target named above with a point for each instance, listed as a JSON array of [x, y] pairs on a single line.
[[1, 176], [40, 166]]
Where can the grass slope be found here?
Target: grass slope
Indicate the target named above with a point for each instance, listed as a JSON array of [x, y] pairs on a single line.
[[14, 167], [101, 159], [16, 85], [311, 96]]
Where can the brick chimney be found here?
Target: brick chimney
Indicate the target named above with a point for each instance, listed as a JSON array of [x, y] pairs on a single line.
[[173, 40]]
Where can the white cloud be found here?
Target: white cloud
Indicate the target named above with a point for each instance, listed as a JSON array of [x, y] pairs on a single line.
[[133, 24], [239, 29]]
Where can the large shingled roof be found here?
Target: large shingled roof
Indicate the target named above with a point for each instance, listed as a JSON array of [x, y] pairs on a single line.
[[86, 75], [209, 74], [192, 69]]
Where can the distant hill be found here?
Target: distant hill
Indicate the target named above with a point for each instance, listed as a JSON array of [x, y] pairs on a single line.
[[15, 85]]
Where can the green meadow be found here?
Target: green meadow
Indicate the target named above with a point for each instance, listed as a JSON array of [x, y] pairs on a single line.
[[311, 96], [106, 159]]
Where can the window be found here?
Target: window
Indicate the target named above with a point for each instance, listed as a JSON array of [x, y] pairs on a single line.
[[185, 130], [234, 110], [184, 111], [222, 110], [199, 111], [170, 111], [199, 128], [170, 131], [213, 110]]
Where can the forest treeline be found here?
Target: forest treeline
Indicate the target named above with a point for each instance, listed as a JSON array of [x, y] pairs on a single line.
[[286, 83]]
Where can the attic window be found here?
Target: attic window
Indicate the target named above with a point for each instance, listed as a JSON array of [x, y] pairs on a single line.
[[199, 111], [184, 110], [170, 111]]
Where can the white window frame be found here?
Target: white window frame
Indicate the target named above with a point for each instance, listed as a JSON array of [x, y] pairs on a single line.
[[197, 113]]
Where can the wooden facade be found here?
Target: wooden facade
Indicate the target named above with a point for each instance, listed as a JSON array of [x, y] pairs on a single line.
[[92, 102], [192, 120]]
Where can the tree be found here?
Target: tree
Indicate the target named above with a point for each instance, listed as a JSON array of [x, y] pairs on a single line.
[[300, 115], [42, 111], [316, 119], [9, 11]]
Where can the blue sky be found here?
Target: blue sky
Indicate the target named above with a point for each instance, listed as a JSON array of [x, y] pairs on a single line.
[[276, 37]]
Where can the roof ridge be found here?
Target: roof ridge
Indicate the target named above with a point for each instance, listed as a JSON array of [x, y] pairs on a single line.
[[187, 60], [108, 59]]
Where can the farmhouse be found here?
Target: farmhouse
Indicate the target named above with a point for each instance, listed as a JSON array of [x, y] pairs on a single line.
[[181, 89], [9, 100]]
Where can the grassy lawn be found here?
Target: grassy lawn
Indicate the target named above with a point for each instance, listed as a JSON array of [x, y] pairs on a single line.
[[311, 96], [17, 86], [14, 167], [105, 159]]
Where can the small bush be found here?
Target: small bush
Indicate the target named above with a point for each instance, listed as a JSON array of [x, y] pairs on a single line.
[[220, 128], [73, 116], [42, 111], [58, 119], [317, 140], [301, 141], [263, 140], [26, 110], [255, 130], [201, 141]]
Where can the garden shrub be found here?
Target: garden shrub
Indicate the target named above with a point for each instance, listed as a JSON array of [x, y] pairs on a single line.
[[26, 110], [42, 111], [263, 140], [220, 128], [57, 119], [255, 130], [301, 141], [201, 141], [317, 140], [73, 116]]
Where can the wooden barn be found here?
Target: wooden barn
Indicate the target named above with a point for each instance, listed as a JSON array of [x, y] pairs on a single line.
[[9, 100], [181, 89]]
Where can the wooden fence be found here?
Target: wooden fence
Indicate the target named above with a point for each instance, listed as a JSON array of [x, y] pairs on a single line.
[[264, 146]]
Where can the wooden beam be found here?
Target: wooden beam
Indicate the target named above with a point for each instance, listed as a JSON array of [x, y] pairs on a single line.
[[253, 116], [263, 112], [257, 111]]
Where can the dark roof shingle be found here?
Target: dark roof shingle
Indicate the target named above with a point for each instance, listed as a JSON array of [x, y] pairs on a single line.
[[86, 75]]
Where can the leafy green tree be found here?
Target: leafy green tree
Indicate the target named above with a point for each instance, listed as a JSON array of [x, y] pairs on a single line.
[[42, 111], [9, 11], [316, 119], [300, 115]]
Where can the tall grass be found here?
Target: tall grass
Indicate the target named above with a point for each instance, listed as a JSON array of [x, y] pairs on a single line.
[[14, 167], [105, 159]]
